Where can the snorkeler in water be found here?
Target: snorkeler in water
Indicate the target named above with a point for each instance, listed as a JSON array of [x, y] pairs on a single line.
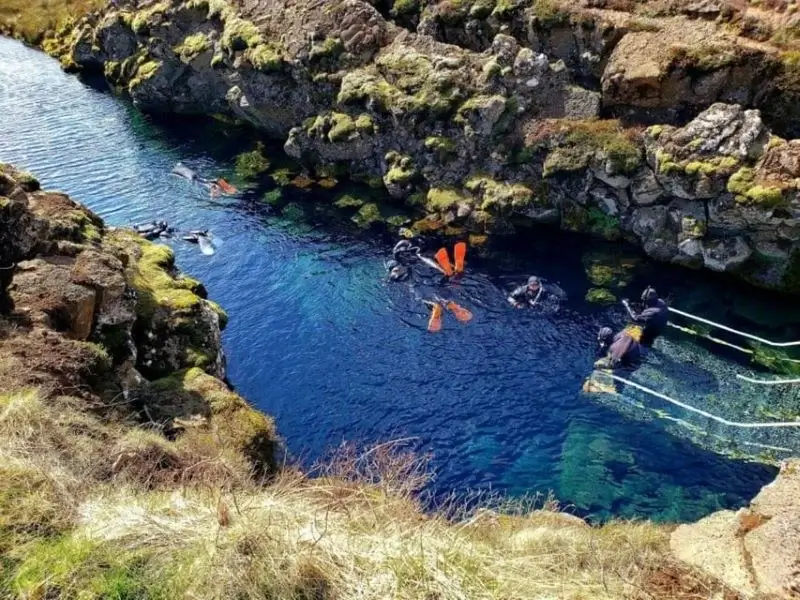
[[216, 187], [537, 292], [405, 256], [154, 229]]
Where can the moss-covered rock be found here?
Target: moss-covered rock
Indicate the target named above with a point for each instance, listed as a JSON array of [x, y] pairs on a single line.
[[368, 215], [500, 197], [606, 269], [600, 295], [240, 35], [348, 201], [590, 220], [175, 327], [145, 71], [190, 393], [265, 57], [444, 147], [251, 165], [576, 144], [192, 46], [748, 191], [401, 169], [442, 199]]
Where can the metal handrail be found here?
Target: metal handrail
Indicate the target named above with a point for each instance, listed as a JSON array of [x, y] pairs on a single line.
[[693, 409], [736, 331], [767, 381]]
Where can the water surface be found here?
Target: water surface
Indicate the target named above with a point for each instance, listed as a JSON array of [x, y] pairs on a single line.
[[317, 338]]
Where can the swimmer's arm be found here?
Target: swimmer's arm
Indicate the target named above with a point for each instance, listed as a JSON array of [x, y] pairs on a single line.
[[631, 313]]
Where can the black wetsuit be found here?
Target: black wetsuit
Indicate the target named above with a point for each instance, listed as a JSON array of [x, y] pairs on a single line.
[[550, 294], [624, 352], [653, 320]]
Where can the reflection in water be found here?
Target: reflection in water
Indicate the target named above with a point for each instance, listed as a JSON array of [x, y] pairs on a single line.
[[321, 341]]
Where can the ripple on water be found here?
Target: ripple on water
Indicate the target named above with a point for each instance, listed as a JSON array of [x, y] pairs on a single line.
[[318, 339]]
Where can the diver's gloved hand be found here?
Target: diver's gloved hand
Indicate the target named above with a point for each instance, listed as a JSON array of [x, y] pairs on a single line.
[[626, 302]]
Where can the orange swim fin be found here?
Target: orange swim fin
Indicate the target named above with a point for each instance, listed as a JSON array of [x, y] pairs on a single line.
[[459, 312], [435, 322], [226, 187], [460, 252], [444, 261]]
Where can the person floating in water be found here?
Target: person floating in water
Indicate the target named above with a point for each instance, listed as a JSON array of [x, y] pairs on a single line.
[[536, 292], [154, 229], [620, 351], [203, 238], [405, 255], [215, 186], [653, 318]]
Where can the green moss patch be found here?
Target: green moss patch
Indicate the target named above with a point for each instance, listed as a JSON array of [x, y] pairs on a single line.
[[240, 35], [192, 46], [600, 296], [251, 165], [747, 191], [498, 196], [346, 201], [444, 147], [150, 275], [403, 81], [144, 71], [442, 199], [368, 215], [401, 169], [579, 142], [402, 8], [265, 57], [548, 13]]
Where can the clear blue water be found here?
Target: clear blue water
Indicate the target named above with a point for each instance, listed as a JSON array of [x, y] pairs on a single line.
[[317, 339]]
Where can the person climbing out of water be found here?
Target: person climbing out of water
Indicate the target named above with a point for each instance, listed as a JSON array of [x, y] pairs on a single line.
[[653, 318], [620, 351], [620, 354], [536, 292]]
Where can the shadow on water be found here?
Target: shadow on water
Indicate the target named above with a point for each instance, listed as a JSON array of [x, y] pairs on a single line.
[[320, 340]]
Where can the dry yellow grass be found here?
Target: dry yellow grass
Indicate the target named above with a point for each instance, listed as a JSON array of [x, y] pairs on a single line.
[[31, 19], [103, 509]]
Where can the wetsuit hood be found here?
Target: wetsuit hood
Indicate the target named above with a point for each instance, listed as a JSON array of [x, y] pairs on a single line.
[[605, 335], [649, 297]]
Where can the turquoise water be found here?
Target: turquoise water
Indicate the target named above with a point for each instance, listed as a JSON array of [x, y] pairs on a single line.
[[320, 341]]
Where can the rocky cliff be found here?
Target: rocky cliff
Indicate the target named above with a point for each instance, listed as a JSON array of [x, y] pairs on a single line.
[[97, 320], [754, 550], [492, 116]]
